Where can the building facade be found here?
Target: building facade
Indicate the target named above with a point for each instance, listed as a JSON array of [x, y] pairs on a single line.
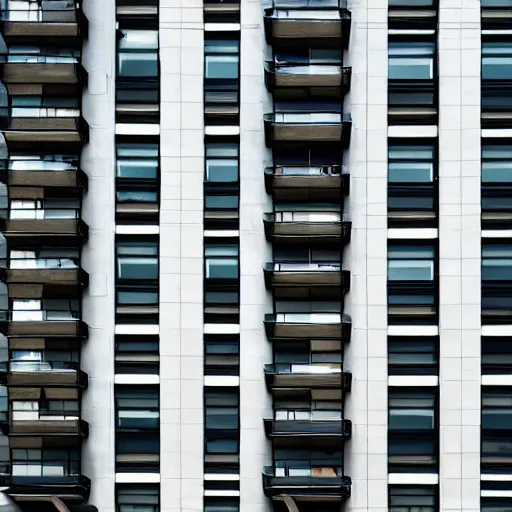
[[255, 255]]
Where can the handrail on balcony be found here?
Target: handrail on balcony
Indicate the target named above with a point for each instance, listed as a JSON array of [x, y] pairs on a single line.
[[271, 117], [305, 4], [302, 267], [57, 12], [273, 217], [43, 263], [281, 318], [303, 369], [311, 170], [42, 366]]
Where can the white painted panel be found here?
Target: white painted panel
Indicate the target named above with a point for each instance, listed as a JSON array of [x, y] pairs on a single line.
[[497, 133], [413, 478], [137, 478], [413, 380], [411, 132], [221, 380], [413, 330], [222, 27], [137, 129], [143, 229], [497, 233], [221, 329], [413, 234], [221, 233], [136, 329], [496, 330], [222, 130], [131, 378]]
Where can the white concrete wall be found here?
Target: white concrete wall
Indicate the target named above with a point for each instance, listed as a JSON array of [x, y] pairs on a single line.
[[459, 263], [255, 301], [181, 255], [98, 457], [366, 257]]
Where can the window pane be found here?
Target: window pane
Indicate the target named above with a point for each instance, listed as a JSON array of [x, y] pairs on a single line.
[[221, 66]]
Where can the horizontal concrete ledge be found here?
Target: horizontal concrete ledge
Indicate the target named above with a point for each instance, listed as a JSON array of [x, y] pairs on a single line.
[[497, 233], [413, 234], [413, 478], [497, 133], [221, 329], [497, 380], [222, 27], [136, 329], [496, 494], [221, 492], [413, 380], [137, 129], [130, 378], [222, 380], [138, 478], [496, 478], [496, 330], [411, 132], [222, 130], [227, 477], [413, 330], [125, 229], [221, 233]]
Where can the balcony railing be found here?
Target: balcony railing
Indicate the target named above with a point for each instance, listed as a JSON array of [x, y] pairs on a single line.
[[310, 127], [307, 376], [47, 19], [307, 325], [44, 374], [70, 486], [42, 325], [48, 426], [305, 21], [325, 482], [337, 429], [302, 79], [307, 227], [306, 279], [309, 183]]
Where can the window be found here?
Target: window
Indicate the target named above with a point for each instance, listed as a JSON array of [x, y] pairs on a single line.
[[137, 498], [137, 355], [221, 421], [496, 504], [221, 261], [496, 425], [496, 355], [137, 160], [411, 60], [221, 59], [46, 462], [221, 163], [138, 54], [411, 179], [496, 164], [292, 462], [137, 261], [137, 409], [412, 427], [496, 60], [412, 499], [214, 504], [221, 355], [411, 263], [497, 262], [412, 356]]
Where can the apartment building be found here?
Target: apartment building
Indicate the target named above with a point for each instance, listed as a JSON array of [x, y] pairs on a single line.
[[256, 255]]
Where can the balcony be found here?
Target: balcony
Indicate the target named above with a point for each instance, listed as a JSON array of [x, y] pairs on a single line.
[[298, 80], [327, 486], [45, 329], [43, 71], [306, 376], [295, 326], [41, 231], [38, 374], [53, 22], [306, 280], [24, 131], [285, 128], [69, 430], [288, 433], [74, 488], [306, 183], [65, 181], [51, 280], [307, 23], [306, 227]]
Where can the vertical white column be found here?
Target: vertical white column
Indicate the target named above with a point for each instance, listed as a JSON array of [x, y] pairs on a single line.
[[366, 256], [460, 254], [255, 301], [98, 457], [181, 255]]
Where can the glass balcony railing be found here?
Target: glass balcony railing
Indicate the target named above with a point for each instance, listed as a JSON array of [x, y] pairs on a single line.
[[303, 267], [43, 263]]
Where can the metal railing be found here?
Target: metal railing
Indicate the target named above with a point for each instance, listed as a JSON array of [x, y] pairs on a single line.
[[305, 4]]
